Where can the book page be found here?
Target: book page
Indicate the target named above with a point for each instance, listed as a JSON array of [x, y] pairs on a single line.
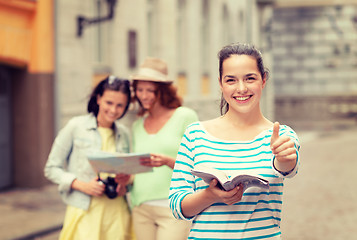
[[208, 173], [247, 181]]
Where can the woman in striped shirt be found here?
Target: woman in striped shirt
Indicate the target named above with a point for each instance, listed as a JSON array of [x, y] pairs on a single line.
[[241, 141]]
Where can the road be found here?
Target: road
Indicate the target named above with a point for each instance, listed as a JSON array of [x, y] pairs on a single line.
[[320, 202]]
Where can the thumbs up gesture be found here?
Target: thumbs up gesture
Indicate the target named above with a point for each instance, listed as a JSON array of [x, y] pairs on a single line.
[[284, 150]]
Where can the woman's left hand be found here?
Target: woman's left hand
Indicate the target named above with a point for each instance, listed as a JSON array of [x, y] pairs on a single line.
[[284, 150], [157, 160]]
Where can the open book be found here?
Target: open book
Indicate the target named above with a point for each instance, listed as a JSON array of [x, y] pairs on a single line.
[[128, 163], [228, 183]]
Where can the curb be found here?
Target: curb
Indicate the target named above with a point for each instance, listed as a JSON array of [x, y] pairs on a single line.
[[35, 235]]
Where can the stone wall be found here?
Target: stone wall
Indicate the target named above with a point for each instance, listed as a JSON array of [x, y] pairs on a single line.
[[315, 62]]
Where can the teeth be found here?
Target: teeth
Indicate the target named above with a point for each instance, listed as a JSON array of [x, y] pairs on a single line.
[[242, 98]]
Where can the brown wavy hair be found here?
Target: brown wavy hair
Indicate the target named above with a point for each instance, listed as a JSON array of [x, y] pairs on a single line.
[[166, 93]]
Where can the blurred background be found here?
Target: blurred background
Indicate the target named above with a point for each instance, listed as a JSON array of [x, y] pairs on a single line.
[[53, 52]]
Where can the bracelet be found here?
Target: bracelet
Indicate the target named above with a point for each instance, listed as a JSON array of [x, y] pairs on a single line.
[[283, 173]]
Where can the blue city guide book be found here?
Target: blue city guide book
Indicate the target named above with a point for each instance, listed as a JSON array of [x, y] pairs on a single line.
[[228, 183]]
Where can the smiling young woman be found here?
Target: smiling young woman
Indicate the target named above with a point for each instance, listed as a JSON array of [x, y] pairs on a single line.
[[241, 141], [112, 105], [158, 130], [90, 214], [242, 84]]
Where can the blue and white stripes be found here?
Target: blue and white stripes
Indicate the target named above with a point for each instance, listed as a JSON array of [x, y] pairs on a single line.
[[257, 215]]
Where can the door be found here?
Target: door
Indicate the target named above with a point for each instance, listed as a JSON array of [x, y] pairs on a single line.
[[5, 128]]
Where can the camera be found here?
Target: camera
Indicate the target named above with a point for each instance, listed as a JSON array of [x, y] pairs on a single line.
[[110, 187]]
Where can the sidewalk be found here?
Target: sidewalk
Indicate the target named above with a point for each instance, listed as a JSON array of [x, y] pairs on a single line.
[[29, 212]]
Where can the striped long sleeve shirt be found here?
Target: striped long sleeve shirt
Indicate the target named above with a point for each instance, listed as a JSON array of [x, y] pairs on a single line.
[[258, 214]]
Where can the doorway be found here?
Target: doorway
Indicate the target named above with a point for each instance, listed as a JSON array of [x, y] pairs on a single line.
[[5, 127]]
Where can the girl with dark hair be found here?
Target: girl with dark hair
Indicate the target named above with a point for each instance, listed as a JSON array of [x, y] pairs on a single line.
[[90, 213], [158, 130], [241, 141], [110, 83]]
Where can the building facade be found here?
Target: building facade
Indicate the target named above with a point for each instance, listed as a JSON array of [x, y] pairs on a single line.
[[53, 52], [26, 90], [186, 34]]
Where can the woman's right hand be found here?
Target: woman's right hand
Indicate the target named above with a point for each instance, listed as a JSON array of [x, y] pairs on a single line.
[[92, 188], [228, 197], [193, 204]]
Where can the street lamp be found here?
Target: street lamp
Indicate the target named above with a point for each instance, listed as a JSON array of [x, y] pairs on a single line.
[[83, 21]]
